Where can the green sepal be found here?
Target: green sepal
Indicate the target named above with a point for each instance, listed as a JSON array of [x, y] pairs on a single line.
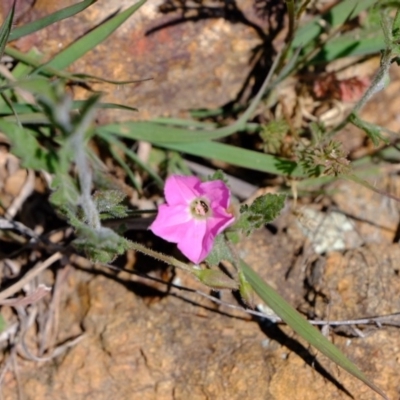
[[219, 252]]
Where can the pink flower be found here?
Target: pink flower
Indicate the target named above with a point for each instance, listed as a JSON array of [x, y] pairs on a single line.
[[195, 213]]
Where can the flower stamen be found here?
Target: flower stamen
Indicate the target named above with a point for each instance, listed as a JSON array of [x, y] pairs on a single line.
[[200, 208]]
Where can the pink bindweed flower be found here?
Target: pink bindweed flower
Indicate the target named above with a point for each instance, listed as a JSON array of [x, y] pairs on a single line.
[[195, 213]]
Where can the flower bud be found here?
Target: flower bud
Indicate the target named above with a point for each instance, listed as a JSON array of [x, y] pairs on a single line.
[[215, 279], [246, 291]]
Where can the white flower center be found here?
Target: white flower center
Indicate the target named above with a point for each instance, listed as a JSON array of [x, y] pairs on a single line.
[[200, 208]]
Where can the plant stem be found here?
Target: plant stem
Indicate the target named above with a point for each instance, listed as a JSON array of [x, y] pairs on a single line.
[[162, 257]]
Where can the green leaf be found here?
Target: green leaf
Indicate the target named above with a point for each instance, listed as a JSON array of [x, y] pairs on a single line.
[[302, 327], [108, 204], [79, 48], [28, 149], [102, 245], [264, 209], [238, 156], [268, 206], [36, 85], [28, 118], [356, 44], [86, 114], [5, 30], [34, 61], [335, 17], [218, 175], [65, 194], [19, 108], [273, 135], [116, 106], [163, 133], [373, 131], [219, 252], [396, 25], [241, 157], [49, 19]]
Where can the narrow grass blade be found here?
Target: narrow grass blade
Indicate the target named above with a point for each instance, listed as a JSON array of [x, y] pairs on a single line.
[[167, 133], [347, 46], [186, 123], [8, 103], [37, 85], [79, 103], [126, 168], [162, 133], [239, 157], [35, 62], [198, 143], [49, 19], [28, 119], [29, 59], [76, 50], [23, 108], [302, 327], [91, 78], [5, 30], [111, 140], [335, 17]]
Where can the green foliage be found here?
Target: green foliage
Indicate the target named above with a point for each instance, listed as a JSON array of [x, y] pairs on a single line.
[[108, 204], [373, 131], [323, 159], [218, 175], [65, 196], [25, 146], [86, 43], [219, 252], [114, 142], [49, 131], [5, 30], [396, 25], [308, 37], [264, 209], [99, 245], [318, 132], [57, 150], [50, 19], [273, 135]]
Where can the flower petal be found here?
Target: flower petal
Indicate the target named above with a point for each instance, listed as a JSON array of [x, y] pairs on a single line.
[[217, 192], [219, 221], [192, 244], [172, 222], [181, 189]]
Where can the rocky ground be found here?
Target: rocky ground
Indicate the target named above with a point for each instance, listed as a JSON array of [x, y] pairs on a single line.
[[132, 338]]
